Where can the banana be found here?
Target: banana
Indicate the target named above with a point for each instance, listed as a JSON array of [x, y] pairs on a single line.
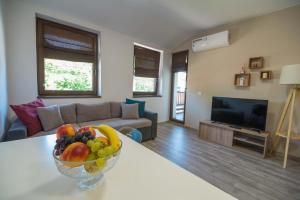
[[111, 134]]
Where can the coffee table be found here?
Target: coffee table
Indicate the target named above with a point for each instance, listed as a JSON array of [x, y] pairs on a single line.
[[28, 172]]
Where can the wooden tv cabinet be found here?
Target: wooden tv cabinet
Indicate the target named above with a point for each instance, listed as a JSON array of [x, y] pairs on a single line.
[[243, 139]]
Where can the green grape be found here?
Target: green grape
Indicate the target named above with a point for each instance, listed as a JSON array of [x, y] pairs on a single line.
[[90, 143], [91, 156], [101, 153], [97, 140], [100, 162], [95, 147], [109, 150]]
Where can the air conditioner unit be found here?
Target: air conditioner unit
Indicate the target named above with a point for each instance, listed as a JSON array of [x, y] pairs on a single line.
[[213, 41]]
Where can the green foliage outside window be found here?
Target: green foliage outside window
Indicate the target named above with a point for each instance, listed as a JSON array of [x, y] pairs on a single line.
[[67, 75]]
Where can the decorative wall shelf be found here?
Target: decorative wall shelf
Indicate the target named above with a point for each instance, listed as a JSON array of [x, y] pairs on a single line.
[[266, 75], [256, 63], [242, 80]]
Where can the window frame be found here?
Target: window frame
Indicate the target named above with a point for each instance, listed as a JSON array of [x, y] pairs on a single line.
[[157, 82], [41, 67]]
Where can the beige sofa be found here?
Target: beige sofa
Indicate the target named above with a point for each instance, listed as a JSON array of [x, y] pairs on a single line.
[[93, 114]]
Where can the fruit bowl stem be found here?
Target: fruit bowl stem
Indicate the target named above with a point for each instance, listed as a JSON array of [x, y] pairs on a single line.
[[91, 183]]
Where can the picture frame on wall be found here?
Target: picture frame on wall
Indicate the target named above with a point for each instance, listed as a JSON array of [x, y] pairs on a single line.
[[256, 63]]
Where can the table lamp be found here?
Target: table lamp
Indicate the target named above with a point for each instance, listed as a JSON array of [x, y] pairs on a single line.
[[290, 75]]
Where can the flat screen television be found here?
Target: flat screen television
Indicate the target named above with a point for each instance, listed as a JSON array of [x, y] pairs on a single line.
[[244, 113]]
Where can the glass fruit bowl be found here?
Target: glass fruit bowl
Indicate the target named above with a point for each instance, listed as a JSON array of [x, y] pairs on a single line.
[[87, 173]]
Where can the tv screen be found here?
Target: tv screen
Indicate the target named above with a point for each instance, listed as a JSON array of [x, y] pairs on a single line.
[[246, 113]]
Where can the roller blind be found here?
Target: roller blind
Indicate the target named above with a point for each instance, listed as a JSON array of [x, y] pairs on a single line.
[[67, 43], [179, 61], [146, 62]]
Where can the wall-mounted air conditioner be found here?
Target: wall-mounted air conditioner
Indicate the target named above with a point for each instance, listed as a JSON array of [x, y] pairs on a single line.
[[213, 41]]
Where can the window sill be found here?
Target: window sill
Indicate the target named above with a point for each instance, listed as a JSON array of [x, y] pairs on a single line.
[[145, 96], [68, 96]]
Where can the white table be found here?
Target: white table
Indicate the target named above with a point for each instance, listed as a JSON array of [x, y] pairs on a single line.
[[28, 172]]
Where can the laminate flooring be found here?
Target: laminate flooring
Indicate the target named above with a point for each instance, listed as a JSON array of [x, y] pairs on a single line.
[[244, 176]]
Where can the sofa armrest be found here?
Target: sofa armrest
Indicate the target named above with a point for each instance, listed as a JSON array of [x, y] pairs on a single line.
[[153, 117], [16, 131]]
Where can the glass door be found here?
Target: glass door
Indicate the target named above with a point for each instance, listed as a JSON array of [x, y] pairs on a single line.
[[179, 87]]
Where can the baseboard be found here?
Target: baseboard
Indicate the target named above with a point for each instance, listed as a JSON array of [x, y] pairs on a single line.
[[292, 157]]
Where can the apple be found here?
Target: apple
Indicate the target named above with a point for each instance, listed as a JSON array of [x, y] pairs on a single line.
[[75, 152], [67, 129]]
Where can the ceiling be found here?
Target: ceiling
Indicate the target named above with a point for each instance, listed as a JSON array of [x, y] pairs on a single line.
[[165, 22]]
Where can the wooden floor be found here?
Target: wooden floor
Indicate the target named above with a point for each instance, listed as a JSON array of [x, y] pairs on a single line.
[[242, 175]]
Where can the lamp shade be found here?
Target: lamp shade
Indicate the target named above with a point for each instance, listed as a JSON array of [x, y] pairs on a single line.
[[290, 75]]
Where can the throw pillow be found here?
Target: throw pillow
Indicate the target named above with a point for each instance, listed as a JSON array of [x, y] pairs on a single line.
[[28, 115], [130, 111], [50, 117], [141, 106]]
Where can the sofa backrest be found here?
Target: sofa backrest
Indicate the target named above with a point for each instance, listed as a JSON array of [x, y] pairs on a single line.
[[92, 112], [68, 113], [115, 109], [77, 113]]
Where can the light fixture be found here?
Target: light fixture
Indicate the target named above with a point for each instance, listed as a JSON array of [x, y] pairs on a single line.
[[290, 75]]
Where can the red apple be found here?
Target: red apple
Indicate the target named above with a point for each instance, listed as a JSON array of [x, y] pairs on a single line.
[[75, 152], [67, 129]]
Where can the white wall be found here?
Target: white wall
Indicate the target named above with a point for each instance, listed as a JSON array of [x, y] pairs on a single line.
[[3, 85], [116, 59], [276, 37]]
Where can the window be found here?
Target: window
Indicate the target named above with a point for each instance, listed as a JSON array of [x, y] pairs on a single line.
[[67, 60], [146, 71]]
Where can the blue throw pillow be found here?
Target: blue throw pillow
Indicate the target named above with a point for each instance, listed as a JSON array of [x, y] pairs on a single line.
[[141, 106]]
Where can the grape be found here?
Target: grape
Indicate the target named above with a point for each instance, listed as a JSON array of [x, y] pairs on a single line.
[[91, 156], [86, 134], [84, 139], [109, 150], [101, 153], [68, 140], [62, 143], [95, 147], [90, 143], [101, 163], [91, 137], [97, 140], [78, 137]]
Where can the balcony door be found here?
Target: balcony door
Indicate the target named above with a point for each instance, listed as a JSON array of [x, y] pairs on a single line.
[[178, 90]]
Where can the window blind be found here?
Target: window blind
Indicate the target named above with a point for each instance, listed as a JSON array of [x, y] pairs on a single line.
[[146, 62], [66, 43]]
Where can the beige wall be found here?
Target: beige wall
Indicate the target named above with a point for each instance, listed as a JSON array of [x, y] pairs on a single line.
[[116, 59], [276, 37], [3, 88]]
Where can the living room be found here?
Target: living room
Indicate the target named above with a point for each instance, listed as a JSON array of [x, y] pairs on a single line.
[[155, 71]]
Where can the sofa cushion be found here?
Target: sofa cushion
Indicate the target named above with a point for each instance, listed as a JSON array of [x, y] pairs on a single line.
[[141, 105], [50, 117], [91, 112], [115, 109], [130, 111], [27, 113], [118, 123], [68, 113]]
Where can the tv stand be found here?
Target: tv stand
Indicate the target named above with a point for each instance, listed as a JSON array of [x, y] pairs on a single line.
[[235, 127], [235, 137]]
